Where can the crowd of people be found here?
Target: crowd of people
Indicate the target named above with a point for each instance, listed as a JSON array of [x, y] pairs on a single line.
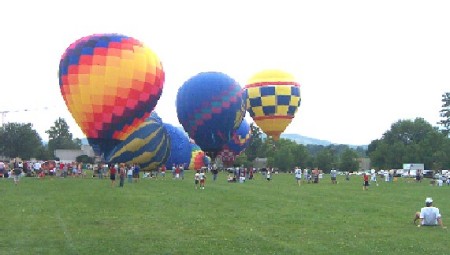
[[427, 216]]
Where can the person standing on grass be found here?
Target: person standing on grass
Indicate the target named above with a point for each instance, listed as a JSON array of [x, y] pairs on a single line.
[[130, 174], [366, 181], [112, 174], [196, 179], [163, 171], [122, 173], [373, 177], [429, 215], [333, 174], [298, 175], [2, 168], [268, 174], [17, 172], [215, 172], [202, 179], [136, 171]]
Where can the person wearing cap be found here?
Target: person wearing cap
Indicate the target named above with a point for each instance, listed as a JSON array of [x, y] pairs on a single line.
[[429, 215]]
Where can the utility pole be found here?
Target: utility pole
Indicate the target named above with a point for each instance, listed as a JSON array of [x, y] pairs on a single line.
[[4, 113]]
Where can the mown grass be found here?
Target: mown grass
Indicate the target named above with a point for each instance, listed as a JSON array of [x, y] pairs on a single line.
[[88, 216]]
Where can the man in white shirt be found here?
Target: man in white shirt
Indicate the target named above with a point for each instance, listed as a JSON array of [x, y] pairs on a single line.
[[298, 175], [429, 215]]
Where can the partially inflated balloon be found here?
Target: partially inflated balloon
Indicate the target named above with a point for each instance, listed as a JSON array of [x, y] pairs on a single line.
[[273, 99], [238, 143], [210, 106], [197, 157], [240, 138], [110, 84], [227, 157], [180, 147], [148, 146]]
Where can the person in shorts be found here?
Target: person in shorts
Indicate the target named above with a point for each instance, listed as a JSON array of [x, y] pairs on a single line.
[[112, 174], [333, 174], [202, 179], [366, 181], [17, 172], [298, 175], [196, 179]]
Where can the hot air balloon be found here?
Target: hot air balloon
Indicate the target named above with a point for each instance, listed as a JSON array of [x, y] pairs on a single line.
[[239, 141], [198, 157], [110, 84], [273, 98], [240, 138], [180, 147], [210, 106], [148, 146]]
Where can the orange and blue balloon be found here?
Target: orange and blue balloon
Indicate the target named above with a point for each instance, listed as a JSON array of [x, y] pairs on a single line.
[[110, 84]]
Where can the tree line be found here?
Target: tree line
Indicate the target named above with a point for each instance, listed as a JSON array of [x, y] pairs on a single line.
[[407, 141]]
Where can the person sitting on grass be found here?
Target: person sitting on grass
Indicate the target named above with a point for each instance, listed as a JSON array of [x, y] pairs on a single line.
[[231, 178], [429, 215]]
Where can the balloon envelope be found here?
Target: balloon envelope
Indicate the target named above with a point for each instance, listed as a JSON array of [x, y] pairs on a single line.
[[239, 141], [110, 84], [273, 98], [148, 146], [180, 147], [240, 138], [210, 106], [197, 157]]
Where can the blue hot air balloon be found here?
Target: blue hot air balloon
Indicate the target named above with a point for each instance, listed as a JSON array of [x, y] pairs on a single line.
[[180, 147], [148, 146], [210, 105]]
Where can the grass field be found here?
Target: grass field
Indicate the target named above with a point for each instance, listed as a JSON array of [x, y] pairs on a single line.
[[88, 216]]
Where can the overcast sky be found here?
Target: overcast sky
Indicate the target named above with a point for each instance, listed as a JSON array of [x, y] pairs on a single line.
[[362, 65]]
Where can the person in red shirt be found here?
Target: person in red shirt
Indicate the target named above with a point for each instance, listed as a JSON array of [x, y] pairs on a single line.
[[112, 175], [366, 181], [163, 171], [177, 172]]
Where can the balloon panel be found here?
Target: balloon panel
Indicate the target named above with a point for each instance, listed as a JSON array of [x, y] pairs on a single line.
[[197, 157], [210, 106], [273, 126], [278, 100], [227, 156], [148, 146], [110, 83], [180, 147], [240, 139]]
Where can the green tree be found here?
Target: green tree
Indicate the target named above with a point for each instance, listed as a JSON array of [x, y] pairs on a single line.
[[255, 143], [242, 160], [445, 114], [19, 140], [408, 142], [325, 160], [60, 137], [302, 158], [284, 155], [348, 161]]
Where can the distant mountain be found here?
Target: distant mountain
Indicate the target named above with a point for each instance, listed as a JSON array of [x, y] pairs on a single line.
[[305, 140], [308, 140]]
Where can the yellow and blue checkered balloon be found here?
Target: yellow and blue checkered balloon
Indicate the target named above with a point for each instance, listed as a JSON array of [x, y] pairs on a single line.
[[273, 98]]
